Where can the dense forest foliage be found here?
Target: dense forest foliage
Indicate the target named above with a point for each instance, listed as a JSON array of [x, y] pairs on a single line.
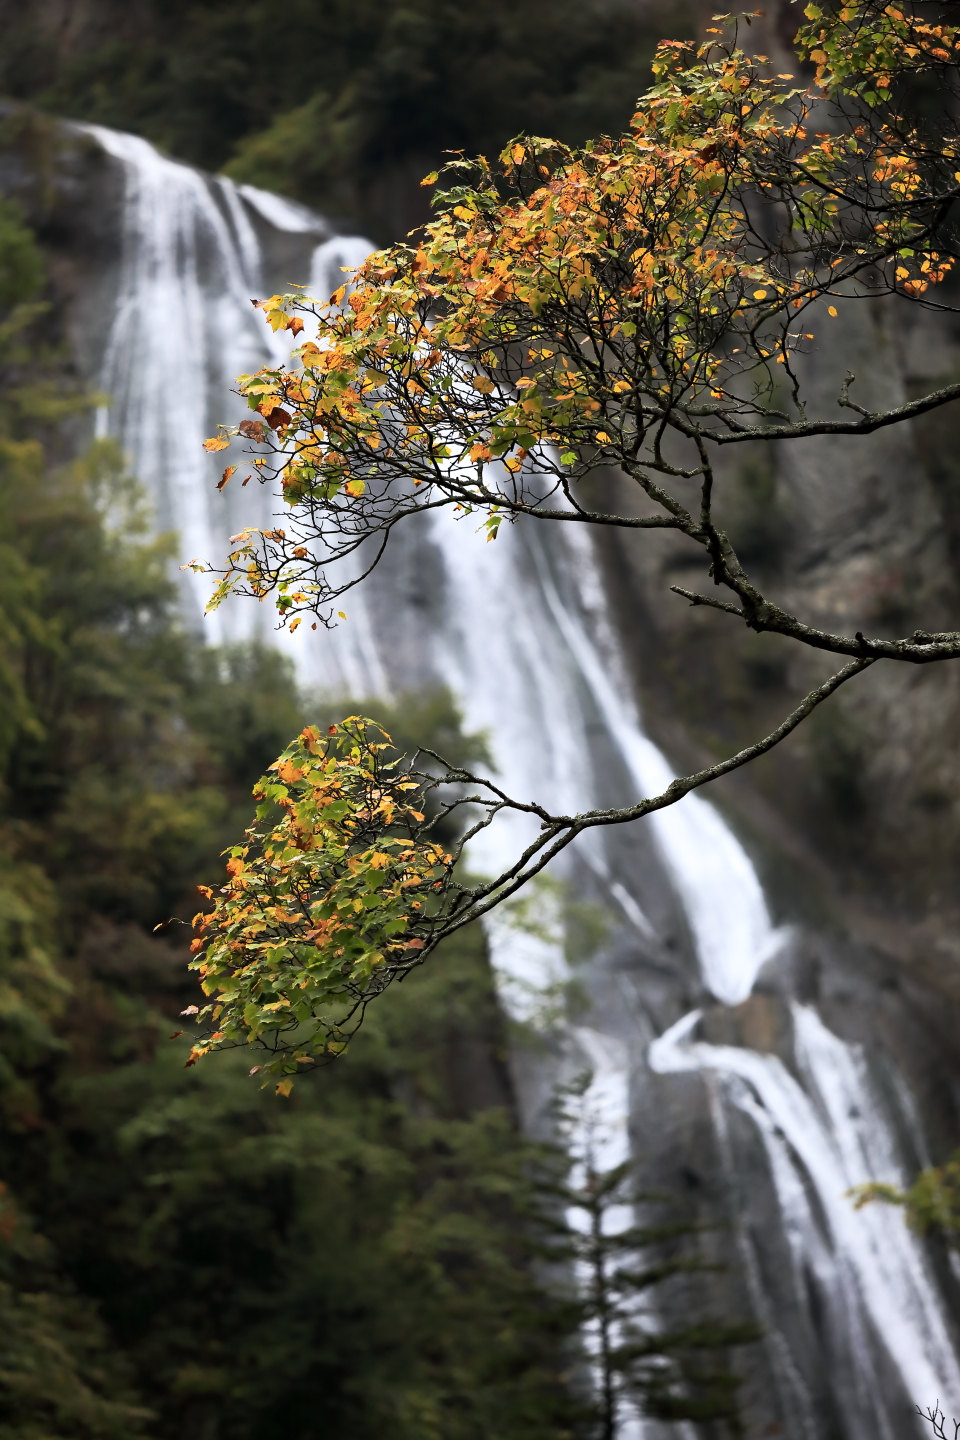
[[342, 105]]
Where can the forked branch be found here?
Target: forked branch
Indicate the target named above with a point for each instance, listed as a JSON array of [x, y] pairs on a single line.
[[341, 886]]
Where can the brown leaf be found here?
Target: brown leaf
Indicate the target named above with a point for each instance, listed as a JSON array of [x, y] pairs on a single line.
[[295, 325], [252, 429], [278, 417], [230, 470], [176, 1035]]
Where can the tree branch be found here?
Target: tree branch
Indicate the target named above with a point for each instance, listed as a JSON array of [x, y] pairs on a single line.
[[875, 421], [560, 830]]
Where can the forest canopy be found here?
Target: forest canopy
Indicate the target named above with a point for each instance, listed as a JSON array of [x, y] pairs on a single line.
[[339, 104]]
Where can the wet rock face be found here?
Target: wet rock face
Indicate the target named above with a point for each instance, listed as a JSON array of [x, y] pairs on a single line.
[[72, 193], [840, 1064]]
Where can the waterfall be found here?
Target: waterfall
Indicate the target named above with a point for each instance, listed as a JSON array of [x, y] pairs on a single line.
[[183, 329], [821, 1138], [519, 631]]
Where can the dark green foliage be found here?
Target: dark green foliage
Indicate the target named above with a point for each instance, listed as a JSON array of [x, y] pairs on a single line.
[[353, 1259], [343, 103], [21, 271], [60, 1376], [932, 1202]]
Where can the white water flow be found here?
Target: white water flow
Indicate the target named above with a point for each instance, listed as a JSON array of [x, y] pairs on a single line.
[[183, 329], [821, 1137], [522, 638]]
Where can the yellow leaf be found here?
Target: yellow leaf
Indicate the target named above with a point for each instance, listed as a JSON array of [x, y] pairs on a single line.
[[355, 487], [518, 154], [759, 294], [284, 1087], [832, 310], [481, 383], [217, 443]]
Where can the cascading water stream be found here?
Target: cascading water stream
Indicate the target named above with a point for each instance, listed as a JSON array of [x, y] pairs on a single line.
[[183, 329], [829, 1134], [522, 640]]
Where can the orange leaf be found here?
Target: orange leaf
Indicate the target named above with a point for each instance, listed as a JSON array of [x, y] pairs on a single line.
[[296, 324], [230, 470], [217, 443]]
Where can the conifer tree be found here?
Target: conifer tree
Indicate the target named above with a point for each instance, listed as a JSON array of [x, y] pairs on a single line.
[[649, 1353]]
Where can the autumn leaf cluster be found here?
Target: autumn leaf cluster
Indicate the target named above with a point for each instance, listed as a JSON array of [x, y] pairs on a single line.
[[324, 905], [570, 310]]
